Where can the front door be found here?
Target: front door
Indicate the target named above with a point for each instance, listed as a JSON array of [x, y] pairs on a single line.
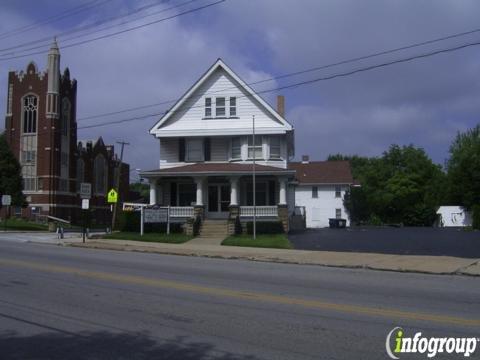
[[218, 200]]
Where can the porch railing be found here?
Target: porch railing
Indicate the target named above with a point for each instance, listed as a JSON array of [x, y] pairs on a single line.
[[181, 211], [261, 211]]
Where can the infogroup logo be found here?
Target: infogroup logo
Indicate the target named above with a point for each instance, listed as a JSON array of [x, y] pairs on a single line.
[[397, 343]]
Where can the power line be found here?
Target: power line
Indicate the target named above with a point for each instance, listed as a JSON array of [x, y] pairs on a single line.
[[121, 31], [64, 14], [301, 72], [46, 40], [301, 83]]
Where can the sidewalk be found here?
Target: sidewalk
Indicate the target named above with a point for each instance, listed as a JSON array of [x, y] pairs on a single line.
[[402, 263]]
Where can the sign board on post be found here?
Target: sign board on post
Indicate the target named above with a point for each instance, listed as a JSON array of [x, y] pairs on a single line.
[[85, 190], [6, 200], [156, 215], [112, 196], [85, 204]]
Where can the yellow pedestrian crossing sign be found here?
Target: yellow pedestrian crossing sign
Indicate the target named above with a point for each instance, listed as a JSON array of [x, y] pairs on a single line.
[[112, 196]]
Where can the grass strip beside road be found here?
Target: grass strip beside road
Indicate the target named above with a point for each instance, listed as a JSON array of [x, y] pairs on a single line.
[[149, 237], [275, 241], [20, 224]]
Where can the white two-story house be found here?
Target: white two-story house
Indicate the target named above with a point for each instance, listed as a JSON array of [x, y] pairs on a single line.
[[208, 151]]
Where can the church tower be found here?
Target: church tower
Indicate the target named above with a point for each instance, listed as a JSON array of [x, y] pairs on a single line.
[[41, 129]]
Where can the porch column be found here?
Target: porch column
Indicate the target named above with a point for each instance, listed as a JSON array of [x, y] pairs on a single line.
[[234, 191], [282, 198], [153, 191], [199, 182]]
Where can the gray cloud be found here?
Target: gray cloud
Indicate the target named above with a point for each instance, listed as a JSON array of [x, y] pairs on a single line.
[[425, 102]]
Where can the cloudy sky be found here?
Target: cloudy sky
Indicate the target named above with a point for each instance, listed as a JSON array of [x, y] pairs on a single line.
[[424, 102]]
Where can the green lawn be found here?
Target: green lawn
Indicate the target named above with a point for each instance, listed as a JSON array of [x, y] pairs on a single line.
[[276, 241], [20, 224], [149, 237]]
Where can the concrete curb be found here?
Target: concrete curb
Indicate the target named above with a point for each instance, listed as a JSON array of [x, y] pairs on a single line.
[[439, 265]]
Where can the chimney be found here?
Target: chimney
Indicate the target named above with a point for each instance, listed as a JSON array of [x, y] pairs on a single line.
[[305, 159], [281, 105]]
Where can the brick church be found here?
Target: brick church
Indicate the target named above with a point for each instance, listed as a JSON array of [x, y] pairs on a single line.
[[41, 129]]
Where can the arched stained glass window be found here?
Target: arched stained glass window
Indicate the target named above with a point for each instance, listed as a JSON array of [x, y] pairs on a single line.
[[30, 111]]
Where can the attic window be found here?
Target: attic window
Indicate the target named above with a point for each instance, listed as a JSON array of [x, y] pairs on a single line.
[[233, 106], [220, 107], [208, 107]]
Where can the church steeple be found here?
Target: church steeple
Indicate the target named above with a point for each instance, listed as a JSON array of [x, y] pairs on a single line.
[[53, 79]]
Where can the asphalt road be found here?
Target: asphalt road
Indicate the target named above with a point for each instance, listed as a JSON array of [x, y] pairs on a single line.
[[389, 240], [70, 303]]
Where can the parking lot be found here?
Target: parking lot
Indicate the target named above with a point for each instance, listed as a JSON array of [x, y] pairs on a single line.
[[389, 240]]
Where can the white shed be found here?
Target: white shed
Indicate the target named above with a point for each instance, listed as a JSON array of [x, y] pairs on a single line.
[[453, 216]]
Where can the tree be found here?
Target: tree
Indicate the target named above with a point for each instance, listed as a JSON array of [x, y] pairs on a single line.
[[142, 189], [402, 186], [464, 169], [10, 174]]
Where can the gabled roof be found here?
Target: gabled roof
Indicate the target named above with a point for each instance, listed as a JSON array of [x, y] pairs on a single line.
[[219, 64], [322, 172]]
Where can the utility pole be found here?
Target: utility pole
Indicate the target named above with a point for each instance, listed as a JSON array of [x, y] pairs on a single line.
[[116, 184], [253, 176]]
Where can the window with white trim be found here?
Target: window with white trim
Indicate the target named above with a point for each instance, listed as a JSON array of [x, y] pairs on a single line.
[[338, 213], [338, 191], [194, 149], [236, 148], [255, 149], [233, 106], [314, 192], [30, 109], [275, 147], [208, 107], [29, 183], [28, 156], [220, 107]]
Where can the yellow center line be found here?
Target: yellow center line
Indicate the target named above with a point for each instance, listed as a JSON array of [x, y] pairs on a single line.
[[244, 295]]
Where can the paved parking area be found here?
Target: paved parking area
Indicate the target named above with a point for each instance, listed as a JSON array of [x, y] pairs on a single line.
[[400, 241]]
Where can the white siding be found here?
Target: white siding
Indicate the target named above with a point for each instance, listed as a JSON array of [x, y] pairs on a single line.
[[190, 116], [319, 210]]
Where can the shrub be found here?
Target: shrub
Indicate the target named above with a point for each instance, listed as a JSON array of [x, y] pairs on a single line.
[[129, 221], [374, 220], [238, 226], [476, 217], [196, 225], [266, 227]]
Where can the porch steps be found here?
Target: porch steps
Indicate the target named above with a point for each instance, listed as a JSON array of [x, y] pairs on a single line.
[[213, 229]]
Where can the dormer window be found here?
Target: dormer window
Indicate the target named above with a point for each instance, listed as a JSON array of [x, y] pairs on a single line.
[[233, 106], [208, 107], [220, 107]]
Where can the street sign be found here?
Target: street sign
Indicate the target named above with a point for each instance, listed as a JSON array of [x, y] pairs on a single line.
[[6, 200], [85, 204], [85, 190], [112, 196], [155, 215]]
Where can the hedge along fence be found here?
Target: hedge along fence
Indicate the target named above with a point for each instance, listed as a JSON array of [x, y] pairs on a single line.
[[266, 227], [129, 221], [476, 217]]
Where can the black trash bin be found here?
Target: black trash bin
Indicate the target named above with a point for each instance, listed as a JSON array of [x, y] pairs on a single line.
[[337, 223]]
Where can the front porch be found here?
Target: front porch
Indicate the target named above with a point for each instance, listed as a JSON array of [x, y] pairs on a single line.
[[223, 196]]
